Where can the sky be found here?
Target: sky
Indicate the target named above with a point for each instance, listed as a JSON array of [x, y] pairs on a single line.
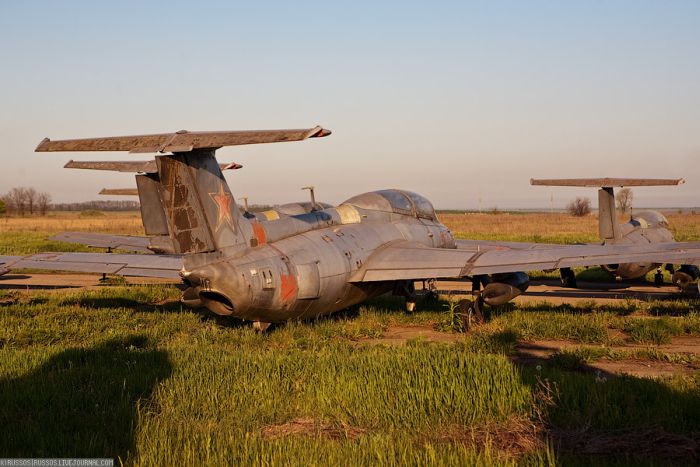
[[462, 102]]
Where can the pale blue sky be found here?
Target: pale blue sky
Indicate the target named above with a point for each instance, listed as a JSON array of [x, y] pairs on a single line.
[[455, 100]]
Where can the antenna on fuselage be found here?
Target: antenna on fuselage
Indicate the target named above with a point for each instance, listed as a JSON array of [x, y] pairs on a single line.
[[245, 203], [311, 189]]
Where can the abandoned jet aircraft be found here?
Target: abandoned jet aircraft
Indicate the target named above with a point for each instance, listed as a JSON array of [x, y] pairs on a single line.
[[311, 264], [643, 228]]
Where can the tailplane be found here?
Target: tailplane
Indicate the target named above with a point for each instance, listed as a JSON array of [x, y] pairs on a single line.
[[608, 226], [200, 212]]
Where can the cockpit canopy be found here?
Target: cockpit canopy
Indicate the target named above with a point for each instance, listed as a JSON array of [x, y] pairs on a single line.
[[650, 219], [397, 201]]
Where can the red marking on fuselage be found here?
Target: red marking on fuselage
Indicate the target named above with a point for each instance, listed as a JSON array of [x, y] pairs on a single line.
[[223, 201], [259, 232], [288, 288]]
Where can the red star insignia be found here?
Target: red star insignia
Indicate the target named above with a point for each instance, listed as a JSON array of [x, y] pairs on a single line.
[[223, 202]]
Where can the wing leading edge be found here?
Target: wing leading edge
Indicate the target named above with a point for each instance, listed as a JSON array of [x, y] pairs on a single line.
[[164, 266], [407, 260], [99, 240]]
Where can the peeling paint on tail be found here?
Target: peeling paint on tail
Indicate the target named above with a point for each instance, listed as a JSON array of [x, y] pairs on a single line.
[[199, 207]]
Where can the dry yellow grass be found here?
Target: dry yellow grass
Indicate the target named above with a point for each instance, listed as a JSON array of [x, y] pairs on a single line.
[[127, 223], [538, 227], [549, 228]]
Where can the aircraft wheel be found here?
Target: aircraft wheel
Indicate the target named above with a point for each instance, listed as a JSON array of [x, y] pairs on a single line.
[[568, 278], [470, 314], [260, 326]]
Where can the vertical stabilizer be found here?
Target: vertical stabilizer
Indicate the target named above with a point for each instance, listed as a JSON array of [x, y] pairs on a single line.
[[198, 204], [608, 227]]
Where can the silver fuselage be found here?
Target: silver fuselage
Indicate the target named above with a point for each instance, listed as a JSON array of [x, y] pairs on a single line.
[[302, 266]]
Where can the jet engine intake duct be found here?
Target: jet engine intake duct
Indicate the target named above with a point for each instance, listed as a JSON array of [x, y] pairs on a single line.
[[503, 288]]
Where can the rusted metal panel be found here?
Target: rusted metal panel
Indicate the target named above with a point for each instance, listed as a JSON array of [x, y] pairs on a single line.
[[181, 141], [183, 209], [606, 182]]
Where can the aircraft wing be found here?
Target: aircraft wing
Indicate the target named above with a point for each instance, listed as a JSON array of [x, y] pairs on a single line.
[[482, 245], [97, 240], [6, 262], [165, 266], [408, 261]]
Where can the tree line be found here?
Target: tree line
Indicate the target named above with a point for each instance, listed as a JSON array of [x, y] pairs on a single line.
[[22, 201]]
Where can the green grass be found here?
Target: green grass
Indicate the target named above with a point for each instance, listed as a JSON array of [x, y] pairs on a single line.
[[125, 372], [25, 243]]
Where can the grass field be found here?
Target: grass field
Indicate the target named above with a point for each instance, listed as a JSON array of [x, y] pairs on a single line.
[[126, 372]]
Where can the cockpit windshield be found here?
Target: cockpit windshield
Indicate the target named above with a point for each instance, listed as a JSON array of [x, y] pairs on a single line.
[[651, 218], [397, 201]]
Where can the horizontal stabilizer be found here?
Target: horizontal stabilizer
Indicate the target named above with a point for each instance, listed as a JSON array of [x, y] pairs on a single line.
[[607, 182], [164, 266], [119, 191], [181, 141], [101, 240], [145, 167]]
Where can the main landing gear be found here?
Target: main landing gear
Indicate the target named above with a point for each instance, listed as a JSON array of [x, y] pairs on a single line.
[[470, 312], [568, 278]]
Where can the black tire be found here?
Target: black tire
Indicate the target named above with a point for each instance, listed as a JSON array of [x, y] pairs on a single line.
[[568, 278]]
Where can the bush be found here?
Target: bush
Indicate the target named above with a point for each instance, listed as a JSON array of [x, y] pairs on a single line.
[[579, 207]]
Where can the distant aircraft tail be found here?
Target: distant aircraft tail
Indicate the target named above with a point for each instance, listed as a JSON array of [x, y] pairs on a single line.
[[608, 226]]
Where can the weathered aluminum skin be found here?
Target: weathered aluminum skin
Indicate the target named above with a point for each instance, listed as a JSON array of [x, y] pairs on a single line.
[[301, 267]]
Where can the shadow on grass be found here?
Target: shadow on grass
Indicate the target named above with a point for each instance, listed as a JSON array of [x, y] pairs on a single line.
[[593, 417], [81, 402], [167, 306]]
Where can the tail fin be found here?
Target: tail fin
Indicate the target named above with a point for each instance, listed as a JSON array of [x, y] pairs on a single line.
[[199, 208], [200, 211], [608, 227]]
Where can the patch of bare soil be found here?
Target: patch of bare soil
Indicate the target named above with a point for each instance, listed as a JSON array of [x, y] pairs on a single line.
[[641, 368], [400, 335], [311, 427], [654, 443], [539, 351], [514, 438]]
